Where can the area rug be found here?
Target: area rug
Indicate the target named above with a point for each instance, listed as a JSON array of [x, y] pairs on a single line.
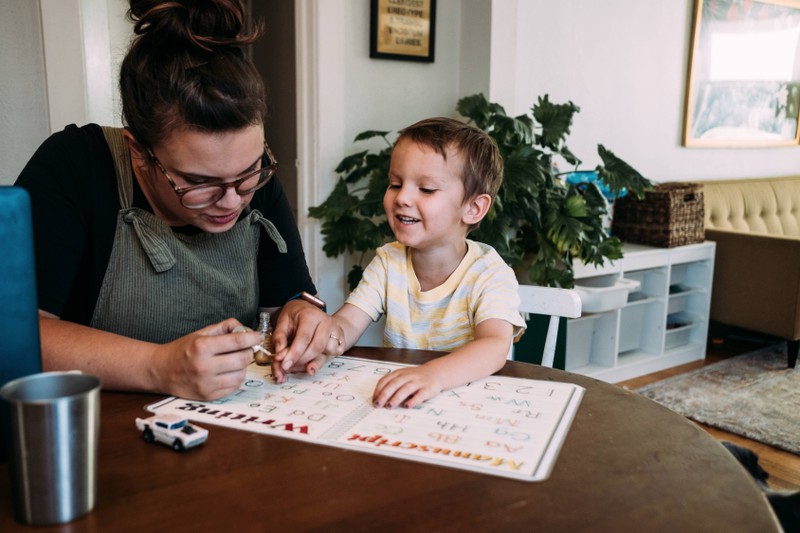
[[754, 395]]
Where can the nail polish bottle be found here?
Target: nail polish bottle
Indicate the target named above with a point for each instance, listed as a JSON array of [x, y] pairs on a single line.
[[264, 355]]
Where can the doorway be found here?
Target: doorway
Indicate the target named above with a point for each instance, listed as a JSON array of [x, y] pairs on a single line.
[[274, 57]]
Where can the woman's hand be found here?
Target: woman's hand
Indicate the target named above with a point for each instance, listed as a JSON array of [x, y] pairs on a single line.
[[207, 364], [303, 336]]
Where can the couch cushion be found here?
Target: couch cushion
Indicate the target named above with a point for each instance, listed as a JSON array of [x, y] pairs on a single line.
[[767, 205]]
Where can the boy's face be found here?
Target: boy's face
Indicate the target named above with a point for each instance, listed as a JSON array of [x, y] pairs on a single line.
[[424, 202]]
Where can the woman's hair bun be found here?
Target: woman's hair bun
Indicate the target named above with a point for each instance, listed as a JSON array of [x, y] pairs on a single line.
[[203, 24]]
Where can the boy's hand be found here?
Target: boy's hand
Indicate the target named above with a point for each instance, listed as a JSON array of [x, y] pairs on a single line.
[[407, 387]]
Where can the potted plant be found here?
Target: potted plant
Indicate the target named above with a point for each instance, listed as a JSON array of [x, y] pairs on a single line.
[[539, 221]]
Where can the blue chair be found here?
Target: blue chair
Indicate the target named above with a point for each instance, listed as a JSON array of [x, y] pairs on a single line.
[[20, 349]]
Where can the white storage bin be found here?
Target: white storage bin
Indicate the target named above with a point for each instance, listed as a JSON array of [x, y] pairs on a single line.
[[597, 299], [638, 275]]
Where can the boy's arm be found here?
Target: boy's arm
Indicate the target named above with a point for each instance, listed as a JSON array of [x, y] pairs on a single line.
[[478, 359], [353, 323]]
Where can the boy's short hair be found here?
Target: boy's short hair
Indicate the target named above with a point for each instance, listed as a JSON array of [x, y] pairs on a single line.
[[483, 165]]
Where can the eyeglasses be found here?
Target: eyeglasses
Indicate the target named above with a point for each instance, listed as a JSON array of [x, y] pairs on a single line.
[[204, 194]]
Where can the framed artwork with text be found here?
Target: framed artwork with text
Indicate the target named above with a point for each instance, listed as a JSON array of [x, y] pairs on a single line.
[[402, 29]]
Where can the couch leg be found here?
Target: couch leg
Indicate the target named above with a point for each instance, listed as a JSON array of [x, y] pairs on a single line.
[[792, 347]]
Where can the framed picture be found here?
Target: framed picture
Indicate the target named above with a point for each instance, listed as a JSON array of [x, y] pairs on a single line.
[[402, 29], [744, 74]]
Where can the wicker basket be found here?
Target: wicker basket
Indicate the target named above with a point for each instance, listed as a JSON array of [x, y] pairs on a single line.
[[670, 215]]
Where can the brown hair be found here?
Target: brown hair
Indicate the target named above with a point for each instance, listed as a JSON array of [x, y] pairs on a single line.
[[483, 165], [185, 68]]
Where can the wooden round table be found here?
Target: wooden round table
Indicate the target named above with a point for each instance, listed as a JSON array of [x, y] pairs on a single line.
[[628, 464]]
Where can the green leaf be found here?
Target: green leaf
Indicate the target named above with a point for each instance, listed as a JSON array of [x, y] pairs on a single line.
[[555, 119], [575, 207], [568, 156], [369, 134], [618, 174], [354, 276], [339, 235], [350, 162], [479, 110], [336, 205]]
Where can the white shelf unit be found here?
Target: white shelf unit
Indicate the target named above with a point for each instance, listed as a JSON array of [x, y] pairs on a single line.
[[664, 322]]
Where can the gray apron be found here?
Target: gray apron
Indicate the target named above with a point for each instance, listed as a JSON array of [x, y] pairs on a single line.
[[161, 285]]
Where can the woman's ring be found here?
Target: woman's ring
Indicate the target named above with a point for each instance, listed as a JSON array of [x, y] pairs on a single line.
[[337, 339]]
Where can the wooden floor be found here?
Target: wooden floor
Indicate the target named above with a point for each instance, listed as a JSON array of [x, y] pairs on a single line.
[[783, 467]]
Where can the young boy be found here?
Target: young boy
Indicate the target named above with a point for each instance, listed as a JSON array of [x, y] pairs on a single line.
[[439, 290]]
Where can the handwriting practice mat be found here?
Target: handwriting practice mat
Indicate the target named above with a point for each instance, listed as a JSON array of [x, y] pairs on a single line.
[[499, 425]]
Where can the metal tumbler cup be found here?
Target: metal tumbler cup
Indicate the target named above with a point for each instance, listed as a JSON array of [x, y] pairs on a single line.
[[53, 423]]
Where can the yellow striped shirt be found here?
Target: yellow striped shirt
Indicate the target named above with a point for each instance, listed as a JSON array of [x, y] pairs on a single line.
[[443, 318]]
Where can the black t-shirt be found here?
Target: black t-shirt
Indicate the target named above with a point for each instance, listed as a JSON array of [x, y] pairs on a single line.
[[73, 187]]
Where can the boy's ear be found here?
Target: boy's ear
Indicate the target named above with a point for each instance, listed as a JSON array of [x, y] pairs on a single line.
[[476, 209]]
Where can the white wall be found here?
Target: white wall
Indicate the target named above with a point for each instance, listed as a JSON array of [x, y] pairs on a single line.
[[84, 41], [625, 62], [391, 94], [23, 91], [59, 61]]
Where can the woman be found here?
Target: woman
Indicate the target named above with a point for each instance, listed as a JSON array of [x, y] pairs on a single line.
[[155, 242]]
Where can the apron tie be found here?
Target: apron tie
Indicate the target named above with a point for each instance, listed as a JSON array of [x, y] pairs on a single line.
[[271, 230], [161, 257]]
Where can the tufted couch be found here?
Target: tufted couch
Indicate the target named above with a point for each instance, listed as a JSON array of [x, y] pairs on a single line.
[[756, 225]]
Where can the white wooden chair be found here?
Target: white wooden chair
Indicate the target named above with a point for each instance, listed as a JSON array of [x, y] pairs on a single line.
[[550, 301]]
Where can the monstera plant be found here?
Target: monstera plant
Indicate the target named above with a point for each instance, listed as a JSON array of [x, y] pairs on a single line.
[[539, 222]]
